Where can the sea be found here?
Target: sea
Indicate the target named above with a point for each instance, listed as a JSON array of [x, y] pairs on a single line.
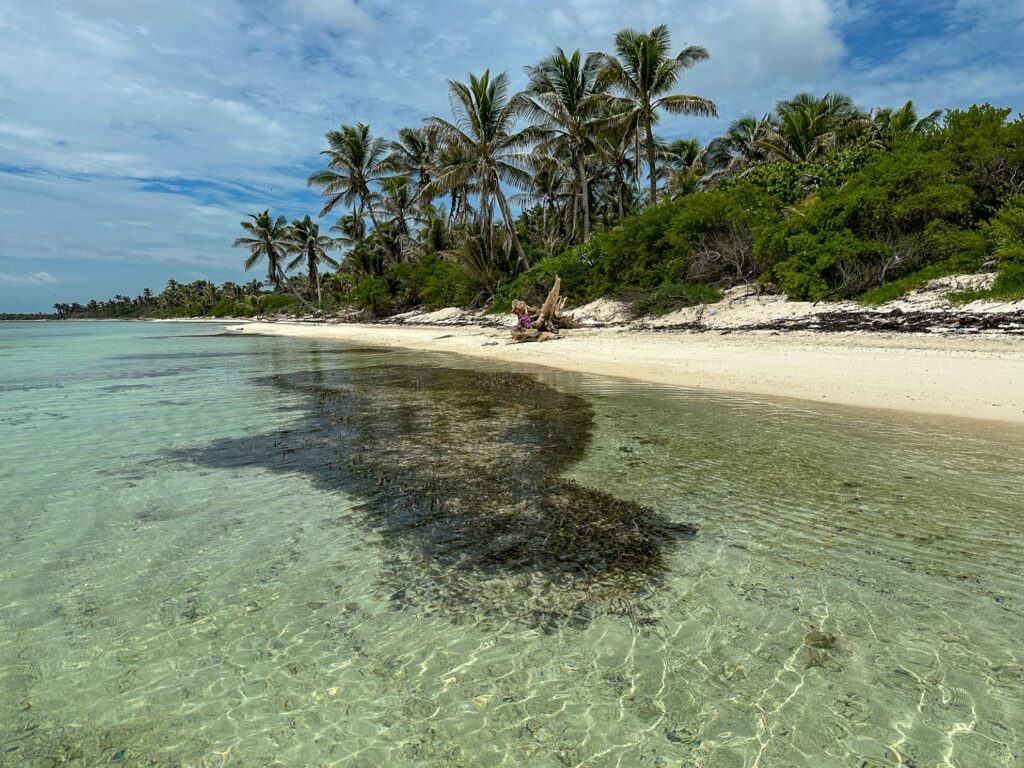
[[222, 549]]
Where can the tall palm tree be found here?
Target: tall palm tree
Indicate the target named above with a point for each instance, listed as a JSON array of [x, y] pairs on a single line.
[[566, 97], [484, 130], [356, 161], [644, 73], [268, 239], [306, 242], [806, 127]]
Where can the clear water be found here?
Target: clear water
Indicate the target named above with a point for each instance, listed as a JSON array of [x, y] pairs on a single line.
[[214, 550]]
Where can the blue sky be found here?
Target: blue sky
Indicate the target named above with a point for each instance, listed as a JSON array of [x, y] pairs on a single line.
[[135, 134]]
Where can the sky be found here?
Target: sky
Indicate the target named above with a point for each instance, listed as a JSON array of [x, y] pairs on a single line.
[[136, 134]]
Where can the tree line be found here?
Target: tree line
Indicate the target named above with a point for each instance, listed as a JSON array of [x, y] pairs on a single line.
[[818, 199]]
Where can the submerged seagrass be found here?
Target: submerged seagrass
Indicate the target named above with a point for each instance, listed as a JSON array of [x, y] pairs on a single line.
[[462, 470]]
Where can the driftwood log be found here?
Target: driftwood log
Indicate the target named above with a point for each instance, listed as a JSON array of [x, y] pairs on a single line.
[[544, 322]]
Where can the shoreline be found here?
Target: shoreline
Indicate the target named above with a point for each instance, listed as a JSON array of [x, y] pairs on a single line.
[[966, 376]]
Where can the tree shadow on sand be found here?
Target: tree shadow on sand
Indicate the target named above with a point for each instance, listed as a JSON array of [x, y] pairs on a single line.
[[461, 472]]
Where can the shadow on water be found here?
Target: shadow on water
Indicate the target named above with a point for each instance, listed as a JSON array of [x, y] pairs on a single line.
[[461, 473]]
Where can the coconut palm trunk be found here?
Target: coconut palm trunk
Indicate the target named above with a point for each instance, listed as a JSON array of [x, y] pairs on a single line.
[[510, 225], [651, 168], [314, 274], [585, 193]]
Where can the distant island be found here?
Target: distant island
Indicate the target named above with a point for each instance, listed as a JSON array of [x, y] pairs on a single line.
[[819, 200]]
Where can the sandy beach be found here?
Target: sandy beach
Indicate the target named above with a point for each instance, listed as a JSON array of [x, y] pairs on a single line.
[[965, 376]]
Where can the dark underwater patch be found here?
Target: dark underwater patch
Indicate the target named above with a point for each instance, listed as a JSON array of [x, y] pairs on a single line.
[[182, 355], [461, 471]]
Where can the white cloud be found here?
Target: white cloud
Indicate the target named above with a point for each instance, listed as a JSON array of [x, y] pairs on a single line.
[[27, 278], [340, 14]]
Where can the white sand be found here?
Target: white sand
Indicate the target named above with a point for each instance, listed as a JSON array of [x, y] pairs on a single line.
[[980, 377]]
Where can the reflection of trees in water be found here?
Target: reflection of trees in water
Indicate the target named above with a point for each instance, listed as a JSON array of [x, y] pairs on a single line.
[[462, 471]]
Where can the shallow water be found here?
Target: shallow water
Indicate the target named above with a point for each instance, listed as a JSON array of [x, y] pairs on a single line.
[[257, 551]]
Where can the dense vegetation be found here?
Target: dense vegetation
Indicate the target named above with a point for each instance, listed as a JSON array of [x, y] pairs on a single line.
[[821, 199]]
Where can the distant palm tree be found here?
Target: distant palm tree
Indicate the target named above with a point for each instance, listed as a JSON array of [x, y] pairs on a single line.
[[644, 73], [356, 161], [567, 96], [453, 155], [681, 166], [615, 146], [551, 189], [807, 127], [415, 156], [396, 203], [352, 230], [489, 148], [306, 242], [268, 240], [888, 124], [738, 148]]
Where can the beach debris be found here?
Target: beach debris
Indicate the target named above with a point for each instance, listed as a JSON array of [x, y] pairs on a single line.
[[541, 323]]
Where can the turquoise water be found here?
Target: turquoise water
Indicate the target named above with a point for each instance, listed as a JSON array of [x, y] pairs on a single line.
[[224, 550]]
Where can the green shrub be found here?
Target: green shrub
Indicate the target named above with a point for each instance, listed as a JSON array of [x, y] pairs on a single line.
[[704, 237], [271, 303], [223, 308], [430, 282], [1006, 230], [903, 210], [373, 295]]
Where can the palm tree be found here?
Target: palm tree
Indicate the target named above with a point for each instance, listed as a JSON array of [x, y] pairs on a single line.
[[738, 148], [806, 127], [682, 163], [489, 147], [268, 240], [567, 96], [644, 73], [306, 242], [356, 160], [615, 148], [550, 189], [352, 230], [459, 192], [888, 124], [396, 202], [414, 155]]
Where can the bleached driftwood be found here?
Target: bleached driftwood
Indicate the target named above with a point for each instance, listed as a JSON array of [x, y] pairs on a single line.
[[544, 322]]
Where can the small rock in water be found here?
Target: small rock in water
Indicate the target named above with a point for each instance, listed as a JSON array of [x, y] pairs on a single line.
[[816, 639], [119, 756], [315, 605], [682, 736]]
